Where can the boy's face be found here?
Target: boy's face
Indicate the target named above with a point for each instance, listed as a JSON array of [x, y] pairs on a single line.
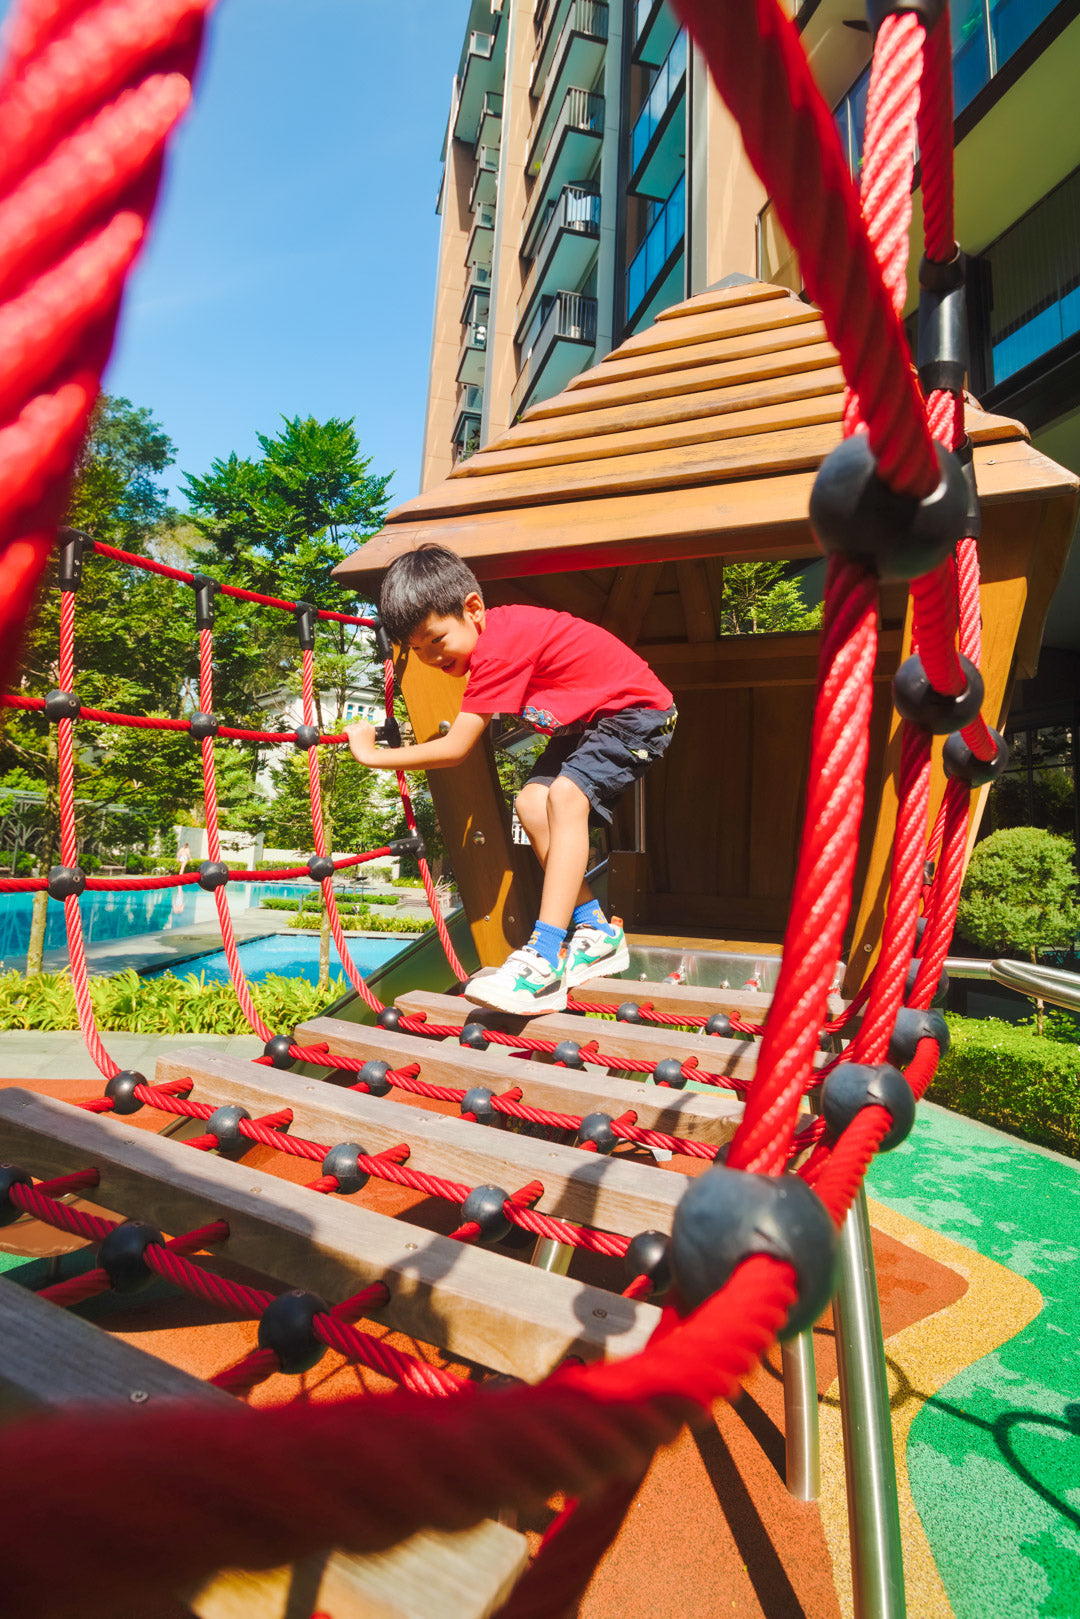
[[446, 642]]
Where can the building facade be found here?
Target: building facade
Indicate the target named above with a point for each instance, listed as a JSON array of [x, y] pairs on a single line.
[[592, 177]]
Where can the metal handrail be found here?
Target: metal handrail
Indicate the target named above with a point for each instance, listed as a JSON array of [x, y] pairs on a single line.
[[1054, 984]]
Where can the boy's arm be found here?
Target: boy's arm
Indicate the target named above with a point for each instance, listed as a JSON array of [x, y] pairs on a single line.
[[438, 754]]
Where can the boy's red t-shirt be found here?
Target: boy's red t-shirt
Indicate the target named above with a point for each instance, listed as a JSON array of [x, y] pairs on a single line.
[[554, 669]]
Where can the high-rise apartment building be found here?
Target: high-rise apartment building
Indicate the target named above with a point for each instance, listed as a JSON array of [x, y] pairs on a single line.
[[592, 177]]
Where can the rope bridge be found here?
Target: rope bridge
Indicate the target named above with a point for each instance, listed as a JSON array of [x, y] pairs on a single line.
[[90, 92]]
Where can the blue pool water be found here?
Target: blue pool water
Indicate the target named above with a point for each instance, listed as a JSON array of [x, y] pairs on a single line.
[[290, 956], [107, 916]]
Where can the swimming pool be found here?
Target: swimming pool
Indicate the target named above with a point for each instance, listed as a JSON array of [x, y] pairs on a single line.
[[290, 955], [126, 915]]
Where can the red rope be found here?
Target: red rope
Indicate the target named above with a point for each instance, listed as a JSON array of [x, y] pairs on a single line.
[[149, 565]]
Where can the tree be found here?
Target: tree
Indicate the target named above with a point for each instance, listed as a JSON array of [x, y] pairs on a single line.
[[1020, 894], [280, 525], [764, 597]]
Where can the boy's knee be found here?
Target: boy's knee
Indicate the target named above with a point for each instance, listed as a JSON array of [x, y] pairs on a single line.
[[567, 798], [531, 803]]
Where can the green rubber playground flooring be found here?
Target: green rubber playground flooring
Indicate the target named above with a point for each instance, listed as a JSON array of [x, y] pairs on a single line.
[[994, 1455]]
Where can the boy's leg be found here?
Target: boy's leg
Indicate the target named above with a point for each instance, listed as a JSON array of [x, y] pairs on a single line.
[[567, 853]]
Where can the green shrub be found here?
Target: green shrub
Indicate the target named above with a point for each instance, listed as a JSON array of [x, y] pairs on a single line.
[[372, 922], [1014, 1080], [164, 1005], [380, 899]]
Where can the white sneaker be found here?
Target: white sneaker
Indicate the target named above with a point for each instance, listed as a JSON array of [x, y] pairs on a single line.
[[595, 953], [525, 983]]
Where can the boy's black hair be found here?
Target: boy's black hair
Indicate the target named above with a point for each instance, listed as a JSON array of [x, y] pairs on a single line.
[[430, 579]]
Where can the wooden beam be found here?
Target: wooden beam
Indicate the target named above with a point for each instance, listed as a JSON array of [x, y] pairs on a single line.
[[629, 601], [579, 1186], [479, 1306], [562, 1090], [50, 1358], [696, 601], [692, 999]]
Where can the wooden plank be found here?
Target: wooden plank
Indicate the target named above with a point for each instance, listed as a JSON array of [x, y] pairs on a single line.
[[751, 662], [579, 1186], [773, 357], [715, 1054], [769, 452], [750, 292], [695, 1000], [630, 599], [695, 422], [479, 1306], [50, 1358], [736, 321], [696, 601], [562, 1090]]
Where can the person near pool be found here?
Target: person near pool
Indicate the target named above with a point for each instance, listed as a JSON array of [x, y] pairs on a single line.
[[608, 719]]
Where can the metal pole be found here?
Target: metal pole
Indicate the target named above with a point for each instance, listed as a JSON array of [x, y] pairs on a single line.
[[877, 1564], [551, 1255], [802, 1455], [639, 815]]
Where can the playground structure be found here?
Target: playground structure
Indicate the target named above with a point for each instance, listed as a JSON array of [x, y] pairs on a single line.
[[742, 1270]]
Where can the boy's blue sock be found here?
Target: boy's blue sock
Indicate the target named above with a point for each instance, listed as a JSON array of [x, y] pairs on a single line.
[[590, 915], [547, 941]]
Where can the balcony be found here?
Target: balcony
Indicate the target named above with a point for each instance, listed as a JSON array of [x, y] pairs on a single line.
[[479, 282], [571, 152], [985, 34], [481, 237], [471, 355], [481, 72], [555, 347], [658, 138], [1034, 271], [465, 440], [563, 246], [572, 55], [485, 180], [654, 31], [489, 124], [657, 259]]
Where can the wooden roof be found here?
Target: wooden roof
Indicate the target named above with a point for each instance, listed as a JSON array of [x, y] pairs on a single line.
[[699, 437]]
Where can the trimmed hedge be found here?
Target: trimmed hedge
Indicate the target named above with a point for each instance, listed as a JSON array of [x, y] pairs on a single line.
[[1014, 1080], [164, 1005], [368, 921]]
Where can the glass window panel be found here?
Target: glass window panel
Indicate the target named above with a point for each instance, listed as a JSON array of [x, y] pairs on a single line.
[[971, 50], [1014, 21]]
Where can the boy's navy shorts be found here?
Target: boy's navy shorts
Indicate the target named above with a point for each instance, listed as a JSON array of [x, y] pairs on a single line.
[[606, 755]]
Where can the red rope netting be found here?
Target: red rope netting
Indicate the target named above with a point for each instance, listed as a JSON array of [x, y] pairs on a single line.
[[292, 1477]]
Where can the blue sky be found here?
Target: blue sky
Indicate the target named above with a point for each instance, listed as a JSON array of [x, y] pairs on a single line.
[[291, 269]]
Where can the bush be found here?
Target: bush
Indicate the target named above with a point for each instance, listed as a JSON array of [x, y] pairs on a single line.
[[372, 922], [164, 1005], [1014, 1080]]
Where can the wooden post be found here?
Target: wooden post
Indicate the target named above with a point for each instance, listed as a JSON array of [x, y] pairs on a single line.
[[499, 884]]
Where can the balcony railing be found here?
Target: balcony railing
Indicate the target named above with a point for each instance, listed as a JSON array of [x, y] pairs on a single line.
[[665, 234], [581, 111], [669, 79], [985, 34], [470, 399], [588, 17], [561, 314], [487, 127], [576, 210]]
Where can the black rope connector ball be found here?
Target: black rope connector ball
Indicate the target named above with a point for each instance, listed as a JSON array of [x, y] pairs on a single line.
[[203, 725], [962, 765], [568, 1052], [484, 1205], [343, 1162], [320, 867], [649, 1254], [851, 1086], [911, 1026], [726, 1215], [878, 10], [413, 844], [224, 1123], [11, 1175], [856, 515], [669, 1071], [595, 1130], [65, 881], [389, 1018], [279, 1050], [474, 1036], [373, 1075], [62, 705], [122, 1255], [307, 736], [940, 995], [213, 874], [121, 1091], [936, 711], [287, 1326], [389, 732], [720, 1024], [628, 1012], [479, 1102]]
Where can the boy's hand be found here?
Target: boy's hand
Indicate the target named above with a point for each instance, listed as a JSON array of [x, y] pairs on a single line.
[[362, 744]]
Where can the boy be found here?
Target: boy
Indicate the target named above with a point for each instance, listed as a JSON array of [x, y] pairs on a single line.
[[608, 718]]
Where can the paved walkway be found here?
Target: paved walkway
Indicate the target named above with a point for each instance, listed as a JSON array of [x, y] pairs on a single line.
[[30, 1054]]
